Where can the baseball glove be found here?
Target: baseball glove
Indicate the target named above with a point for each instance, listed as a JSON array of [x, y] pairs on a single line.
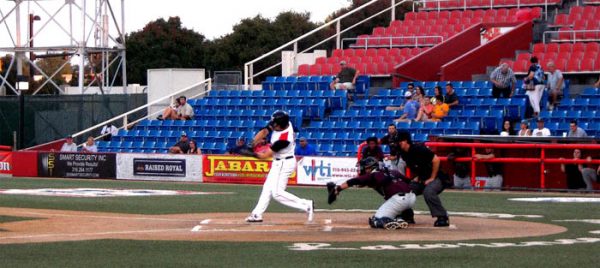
[[332, 192]]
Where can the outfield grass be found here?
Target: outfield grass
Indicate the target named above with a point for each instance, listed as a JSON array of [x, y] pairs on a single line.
[[218, 254]]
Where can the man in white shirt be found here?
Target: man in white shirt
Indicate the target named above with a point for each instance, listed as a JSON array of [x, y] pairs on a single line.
[[90, 146], [185, 110], [69, 145], [555, 84], [541, 131], [108, 131]]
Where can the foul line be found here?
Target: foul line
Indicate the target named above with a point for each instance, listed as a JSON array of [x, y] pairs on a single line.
[[49, 215], [92, 234]]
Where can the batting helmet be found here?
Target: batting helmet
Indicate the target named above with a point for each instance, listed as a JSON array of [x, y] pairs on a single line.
[[280, 118], [369, 162]]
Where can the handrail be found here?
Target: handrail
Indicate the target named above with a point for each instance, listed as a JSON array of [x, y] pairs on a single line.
[[124, 115], [491, 5], [391, 38], [249, 74], [572, 34]]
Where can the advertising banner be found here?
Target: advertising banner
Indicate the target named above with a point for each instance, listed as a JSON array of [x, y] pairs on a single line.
[[159, 167], [5, 163], [321, 170], [77, 165], [237, 169]]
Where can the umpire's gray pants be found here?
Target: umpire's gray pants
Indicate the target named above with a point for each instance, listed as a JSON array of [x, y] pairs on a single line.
[[432, 198], [395, 205]]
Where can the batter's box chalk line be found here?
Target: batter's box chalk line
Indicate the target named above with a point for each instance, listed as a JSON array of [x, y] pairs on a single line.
[[595, 232]]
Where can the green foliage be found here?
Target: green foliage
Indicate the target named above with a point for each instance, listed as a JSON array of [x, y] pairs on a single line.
[[163, 44]]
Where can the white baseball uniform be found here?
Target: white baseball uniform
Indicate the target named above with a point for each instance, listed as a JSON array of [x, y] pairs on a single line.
[[283, 166]]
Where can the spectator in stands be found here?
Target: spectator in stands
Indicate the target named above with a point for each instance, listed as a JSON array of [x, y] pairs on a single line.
[[503, 81], [89, 146], [597, 84], [109, 131], [69, 145], [494, 170], [170, 111], [590, 175], [194, 148], [534, 84], [462, 170], [555, 85], [411, 107], [372, 149], [574, 172], [524, 131], [393, 161], [425, 111], [240, 144], [262, 146], [507, 129], [575, 131], [305, 149], [411, 88], [440, 110], [419, 94], [182, 146], [437, 91], [451, 98], [345, 79], [181, 111], [541, 131]]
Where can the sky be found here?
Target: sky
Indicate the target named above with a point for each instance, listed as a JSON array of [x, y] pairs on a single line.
[[213, 19]]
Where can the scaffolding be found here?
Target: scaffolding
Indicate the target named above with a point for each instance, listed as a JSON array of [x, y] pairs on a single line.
[[89, 34]]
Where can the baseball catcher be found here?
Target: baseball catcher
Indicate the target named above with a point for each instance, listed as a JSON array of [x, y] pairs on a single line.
[[391, 185]]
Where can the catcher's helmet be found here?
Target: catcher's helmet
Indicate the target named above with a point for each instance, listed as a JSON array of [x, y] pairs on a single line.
[[280, 118], [369, 162]]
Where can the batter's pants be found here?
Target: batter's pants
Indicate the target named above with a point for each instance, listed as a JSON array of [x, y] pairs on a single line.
[[275, 185]]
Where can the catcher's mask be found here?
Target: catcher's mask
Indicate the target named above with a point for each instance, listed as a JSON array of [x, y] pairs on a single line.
[[368, 163], [279, 118]]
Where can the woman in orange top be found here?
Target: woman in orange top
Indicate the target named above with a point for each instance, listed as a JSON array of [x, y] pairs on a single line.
[[440, 110]]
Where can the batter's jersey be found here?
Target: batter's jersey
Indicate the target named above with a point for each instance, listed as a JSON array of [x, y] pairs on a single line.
[[284, 135]]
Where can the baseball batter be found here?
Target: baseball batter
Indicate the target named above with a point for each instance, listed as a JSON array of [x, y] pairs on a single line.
[[388, 183], [283, 165]]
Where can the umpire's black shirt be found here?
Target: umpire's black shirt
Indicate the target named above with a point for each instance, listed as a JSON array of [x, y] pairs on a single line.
[[418, 159]]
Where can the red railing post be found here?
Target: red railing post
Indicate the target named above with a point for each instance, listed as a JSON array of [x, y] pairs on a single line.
[[542, 168], [473, 166]]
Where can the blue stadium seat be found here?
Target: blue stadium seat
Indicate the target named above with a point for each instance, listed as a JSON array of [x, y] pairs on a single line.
[[290, 82], [302, 83], [485, 92], [467, 84], [481, 84]]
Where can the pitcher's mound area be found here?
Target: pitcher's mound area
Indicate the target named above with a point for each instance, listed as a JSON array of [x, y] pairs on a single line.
[[55, 225]]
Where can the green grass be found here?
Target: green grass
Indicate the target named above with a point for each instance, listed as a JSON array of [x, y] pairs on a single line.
[[104, 253]]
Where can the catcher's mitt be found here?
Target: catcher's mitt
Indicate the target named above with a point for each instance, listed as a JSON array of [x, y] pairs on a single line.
[[332, 192]]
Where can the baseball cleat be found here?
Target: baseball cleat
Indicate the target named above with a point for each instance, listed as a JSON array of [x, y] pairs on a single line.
[[311, 211], [393, 225], [254, 218]]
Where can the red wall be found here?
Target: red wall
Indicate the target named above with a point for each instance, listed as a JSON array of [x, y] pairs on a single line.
[[25, 164], [477, 60], [50, 146], [426, 66]]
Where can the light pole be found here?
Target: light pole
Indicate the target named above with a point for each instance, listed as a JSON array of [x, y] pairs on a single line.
[[22, 86], [32, 18]]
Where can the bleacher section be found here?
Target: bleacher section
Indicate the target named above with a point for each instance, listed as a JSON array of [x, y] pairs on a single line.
[[226, 115], [579, 24], [386, 47], [476, 4], [568, 57]]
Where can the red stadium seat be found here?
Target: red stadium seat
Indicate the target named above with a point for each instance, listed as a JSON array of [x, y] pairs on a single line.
[[422, 15], [539, 48], [552, 47], [523, 56], [521, 66], [333, 60], [573, 65], [327, 69], [396, 23], [371, 69], [579, 55], [379, 31], [348, 52], [478, 13], [444, 14], [564, 55], [315, 69], [359, 52], [549, 56], [591, 55], [410, 16], [336, 69], [355, 60], [577, 10], [561, 64], [565, 47], [371, 52], [321, 60], [337, 53], [383, 52], [579, 47], [383, 68], [587, 65], [502, 12], [303, 70], [561, 20], [589, 47]]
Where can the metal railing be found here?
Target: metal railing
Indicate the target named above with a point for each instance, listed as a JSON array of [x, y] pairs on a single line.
[[466, 5], [573, 35], [395, 41], [126, 124], [249, 73]]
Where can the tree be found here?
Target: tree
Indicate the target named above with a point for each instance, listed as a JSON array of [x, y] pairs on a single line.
[[163, 44]]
